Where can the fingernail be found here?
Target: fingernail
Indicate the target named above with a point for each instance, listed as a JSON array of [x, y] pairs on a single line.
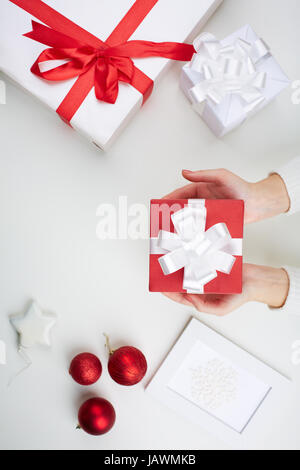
[[187, 171]]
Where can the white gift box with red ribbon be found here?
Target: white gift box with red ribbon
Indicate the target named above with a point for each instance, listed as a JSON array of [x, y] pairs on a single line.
[[100, 122]]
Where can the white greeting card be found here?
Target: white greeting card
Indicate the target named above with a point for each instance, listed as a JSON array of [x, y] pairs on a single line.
[[219, 386]]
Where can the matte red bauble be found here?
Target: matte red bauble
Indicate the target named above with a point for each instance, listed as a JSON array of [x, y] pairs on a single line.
[[96, 416], [126, 365], [86, 369]]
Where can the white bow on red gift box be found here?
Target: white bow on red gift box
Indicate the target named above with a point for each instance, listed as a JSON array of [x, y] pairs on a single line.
[[201, 253]]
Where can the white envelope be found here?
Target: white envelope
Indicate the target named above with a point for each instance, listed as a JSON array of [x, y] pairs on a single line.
[[230, 113], [220, 387], [169, 20]]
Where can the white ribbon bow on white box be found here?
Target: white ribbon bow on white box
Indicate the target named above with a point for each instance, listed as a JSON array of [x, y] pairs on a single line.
[[201, 253], [228, 70]]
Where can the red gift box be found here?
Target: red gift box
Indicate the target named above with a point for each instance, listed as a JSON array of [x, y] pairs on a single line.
[[227, 215]]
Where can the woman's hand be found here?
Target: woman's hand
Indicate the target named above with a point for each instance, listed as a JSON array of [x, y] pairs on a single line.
[[263, 200], [260, 284]]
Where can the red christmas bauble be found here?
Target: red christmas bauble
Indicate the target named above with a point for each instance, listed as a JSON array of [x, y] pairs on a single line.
[[127, 365], [86, 369], [96, 416]]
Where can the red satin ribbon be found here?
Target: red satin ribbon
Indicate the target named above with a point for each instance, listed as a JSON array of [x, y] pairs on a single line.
[[96, 63]]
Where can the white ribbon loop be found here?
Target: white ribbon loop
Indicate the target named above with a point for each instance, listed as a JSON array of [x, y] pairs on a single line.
[[199, 252], [169, 241], [228, 70]]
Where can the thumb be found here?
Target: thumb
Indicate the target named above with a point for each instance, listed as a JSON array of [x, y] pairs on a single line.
[[205, 176]]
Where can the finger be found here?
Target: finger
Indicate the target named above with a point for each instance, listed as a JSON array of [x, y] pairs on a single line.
[[198, 302], [205, 176], [187, 192], [208, 304], [178, 297]]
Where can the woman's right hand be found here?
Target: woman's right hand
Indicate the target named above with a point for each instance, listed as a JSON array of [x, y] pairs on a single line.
[[263, 200]]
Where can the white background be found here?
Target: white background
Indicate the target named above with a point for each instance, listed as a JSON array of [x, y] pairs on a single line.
[[51, 183]]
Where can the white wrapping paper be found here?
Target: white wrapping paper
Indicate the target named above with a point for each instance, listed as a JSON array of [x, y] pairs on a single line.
[[225, 114], [169, 20]]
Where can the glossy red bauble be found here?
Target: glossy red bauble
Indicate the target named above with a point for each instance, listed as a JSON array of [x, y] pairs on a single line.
[[86, 369], [127, 365], [96, 416]]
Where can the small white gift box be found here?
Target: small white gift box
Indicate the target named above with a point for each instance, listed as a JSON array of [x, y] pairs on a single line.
[[99, 121], [230, 80]]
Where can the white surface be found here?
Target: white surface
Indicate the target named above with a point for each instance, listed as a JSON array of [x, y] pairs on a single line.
[[234, 396], [51, 183], [98, 121]]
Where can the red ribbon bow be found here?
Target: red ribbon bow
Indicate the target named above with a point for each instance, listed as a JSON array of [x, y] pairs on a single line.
[[97, 64]]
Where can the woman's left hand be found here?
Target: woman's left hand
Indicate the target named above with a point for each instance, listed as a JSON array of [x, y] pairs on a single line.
[[260, 283]]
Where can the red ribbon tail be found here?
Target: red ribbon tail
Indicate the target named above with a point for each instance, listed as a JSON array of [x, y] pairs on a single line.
[[139, 49], [48, 36], [106, 82]]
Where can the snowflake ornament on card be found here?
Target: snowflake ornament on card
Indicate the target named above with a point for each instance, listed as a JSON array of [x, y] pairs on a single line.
[[214, 384]]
